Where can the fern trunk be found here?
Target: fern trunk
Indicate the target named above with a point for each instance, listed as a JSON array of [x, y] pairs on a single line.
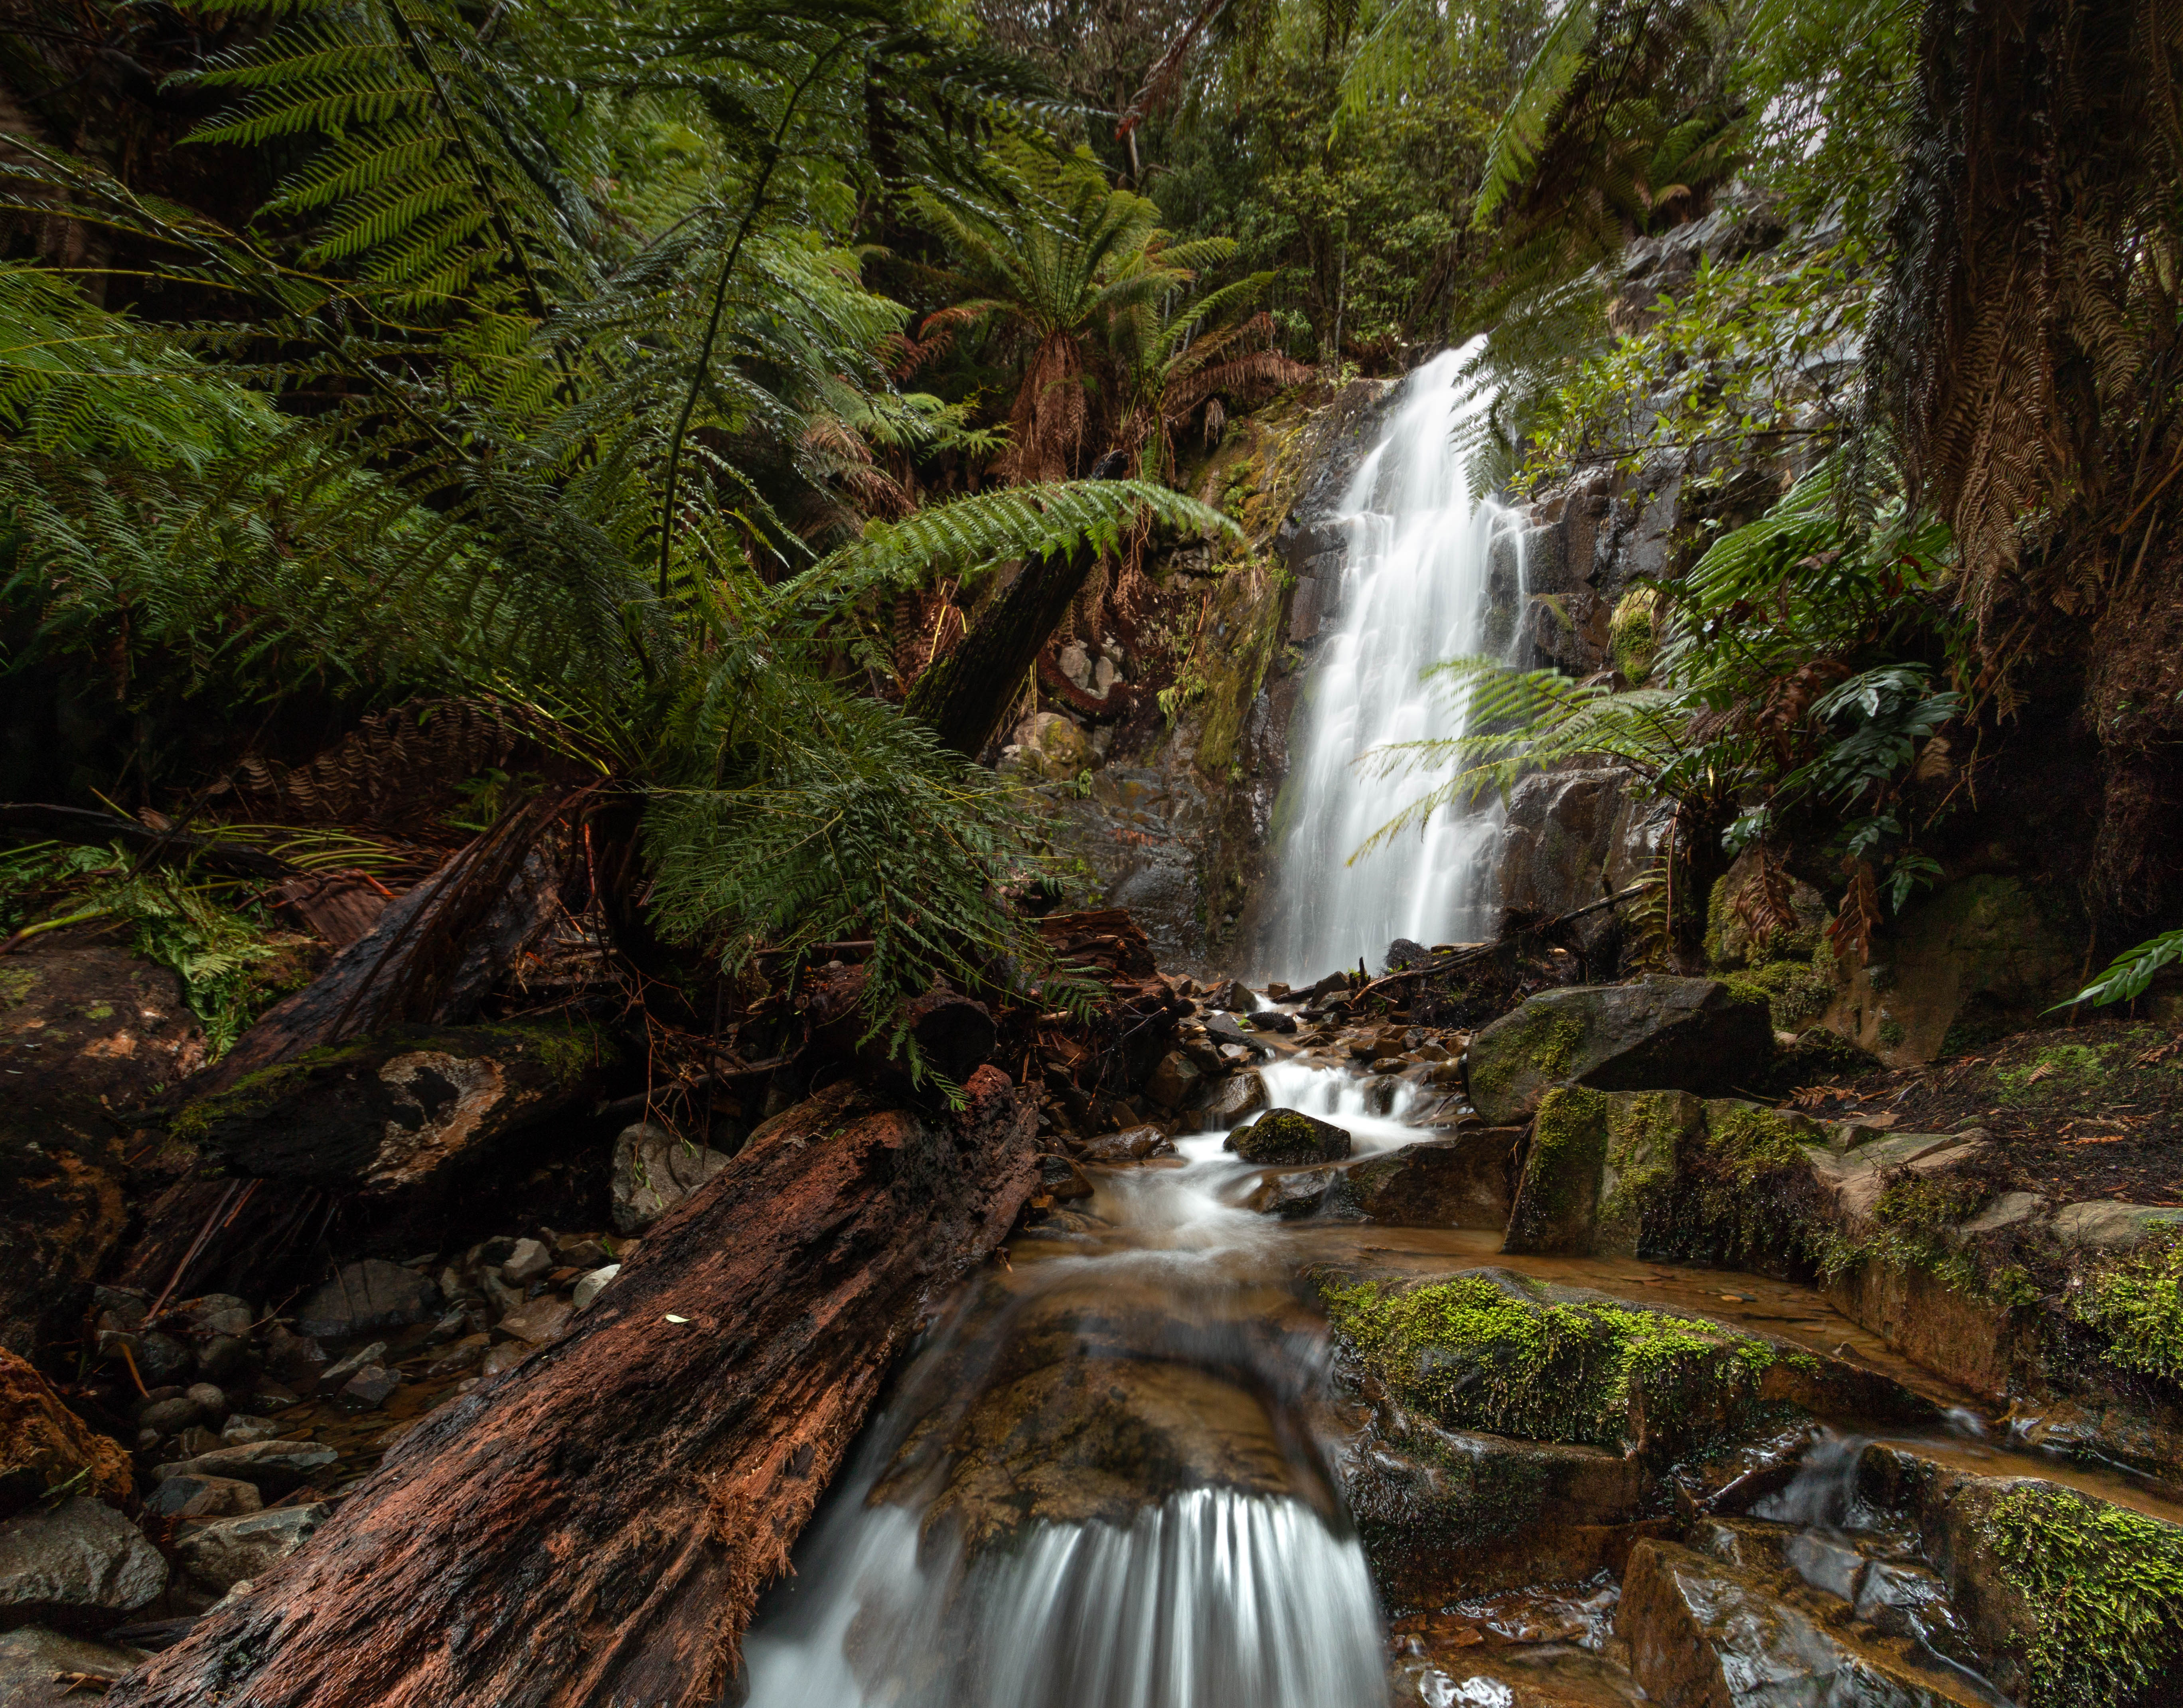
[[595, 1526], [964, 697]]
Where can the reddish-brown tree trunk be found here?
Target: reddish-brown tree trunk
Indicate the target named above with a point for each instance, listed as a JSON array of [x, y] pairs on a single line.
[[593, 1528]]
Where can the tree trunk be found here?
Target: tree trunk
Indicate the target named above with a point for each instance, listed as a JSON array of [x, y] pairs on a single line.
[[593, 1528], [964, 697]]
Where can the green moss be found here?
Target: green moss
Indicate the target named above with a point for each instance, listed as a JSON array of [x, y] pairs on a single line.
[[2054, 1073], [1795, 992], [1753, 1140], [569, 1053], [1545, 1040], [1643, 1132], [1568, 1142], [2136, 1301], [1631, 634], [1474, 1354], [1891, 1034], [16, 984], [2105, 1587]]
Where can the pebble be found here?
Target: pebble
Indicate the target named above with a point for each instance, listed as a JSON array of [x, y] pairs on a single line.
[[526, 1263], [591, 1286]]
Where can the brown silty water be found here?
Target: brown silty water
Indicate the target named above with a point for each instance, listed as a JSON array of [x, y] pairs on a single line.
[[1115, 1475]]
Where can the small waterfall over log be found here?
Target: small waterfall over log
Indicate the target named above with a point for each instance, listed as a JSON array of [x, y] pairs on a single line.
[[1418, 586]]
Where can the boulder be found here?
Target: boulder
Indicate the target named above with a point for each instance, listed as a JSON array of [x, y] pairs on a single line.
[[2105, 1226], [44, 1669], [1130, 1145], [537, 1322], [2071, 1598], [1293, 1193], [365, 1296], [272, 1466], [222, 1552], [203, 1497], [79, 1564], [1062, 1180], [1461, 1181], [1289, 1136], [1232, 1098], [1656, 1034], [1600, 1171], [1174, 1081], [43, 1444], [653, 1171], [1706, 1634], [1051, 748]]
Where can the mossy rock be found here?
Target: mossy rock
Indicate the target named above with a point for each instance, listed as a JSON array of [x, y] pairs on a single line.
[[1655, 1034], [1600, 1171], [1289, 1136], [1492, 1350]]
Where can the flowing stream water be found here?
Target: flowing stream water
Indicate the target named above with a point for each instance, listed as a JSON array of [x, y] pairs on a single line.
[[1417, 588]]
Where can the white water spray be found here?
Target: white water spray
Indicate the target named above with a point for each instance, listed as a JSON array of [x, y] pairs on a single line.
[[1416, 589]]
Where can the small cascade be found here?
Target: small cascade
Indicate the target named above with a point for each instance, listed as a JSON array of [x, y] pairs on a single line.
[[1416, 589], [1211, 1597]]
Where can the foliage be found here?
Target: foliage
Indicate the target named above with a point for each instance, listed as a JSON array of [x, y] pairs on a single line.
[[2130, 973], [233, 961], [540, 363]]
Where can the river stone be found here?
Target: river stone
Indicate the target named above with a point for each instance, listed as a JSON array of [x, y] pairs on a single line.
[[1600, 1171], [2108, 1226], [653, 1171], [1289, 1136], [39, 1668], [1130, 1145], [1061, 1179], [1234, 1098], [1053, 748], [1710, 1635], [1656, 1034], [590, 1286], [1293, 1193], [203, 1497], [1174, 1081], [536, 1322], [80, 1563], [270, 1465], [225, 1551], [364, 1296], [1461, 1181]]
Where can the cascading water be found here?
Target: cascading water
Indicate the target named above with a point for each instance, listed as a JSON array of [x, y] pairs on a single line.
[[1416, 589]]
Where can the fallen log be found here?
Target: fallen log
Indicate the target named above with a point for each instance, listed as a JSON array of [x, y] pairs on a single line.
[[594, 1526]]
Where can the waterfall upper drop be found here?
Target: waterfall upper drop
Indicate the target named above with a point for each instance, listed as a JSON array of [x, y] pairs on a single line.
[[1417, 587]]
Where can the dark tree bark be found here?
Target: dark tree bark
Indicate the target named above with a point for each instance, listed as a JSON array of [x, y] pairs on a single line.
[[964, 697], [593, 1528]]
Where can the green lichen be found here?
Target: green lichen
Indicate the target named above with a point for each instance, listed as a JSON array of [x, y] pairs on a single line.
[[1471, 1354], [1795, 992], [2104, 1587], [16, 984], [568, 1053], [1891, 1034], [1569, 1143], [2136, 1302], [1632, 636]]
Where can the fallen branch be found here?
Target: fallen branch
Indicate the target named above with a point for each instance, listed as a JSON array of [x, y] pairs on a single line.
[[1472, 954]]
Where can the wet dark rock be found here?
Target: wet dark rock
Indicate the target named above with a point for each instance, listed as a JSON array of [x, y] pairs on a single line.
[[1223, 1028], [1461, 1181], [1234, 1098], [366, 1296], [45, 1669], [1061, 1179], [274, 1466], [1235, 996], [1272, 1019], [169, 1416], [1174, 1081], [1659, 1033], [203, 1497], [1711, 1635], [1289, 1136], [1130, 1145], [370, 1388], [526, 1263], [338, 1373], [79, 1565], [223, 1551], [243, 1428], [536, 1322], [162, 1360], [297, 1357], [653, 1171], [1292, 1193]]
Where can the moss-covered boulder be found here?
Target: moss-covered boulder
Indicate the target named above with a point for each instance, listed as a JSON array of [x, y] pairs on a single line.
[[1494, 1350], [1461, 1181], [392, 1113], [1290, 1138], [2075, 1598], [1600, 1171], [1656, 1034]]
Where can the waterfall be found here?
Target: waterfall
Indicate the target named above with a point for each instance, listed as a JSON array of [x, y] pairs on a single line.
[[1416, 588]]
